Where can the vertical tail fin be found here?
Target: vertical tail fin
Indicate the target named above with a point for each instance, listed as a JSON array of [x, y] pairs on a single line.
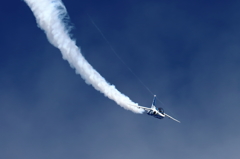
[[154, 102]]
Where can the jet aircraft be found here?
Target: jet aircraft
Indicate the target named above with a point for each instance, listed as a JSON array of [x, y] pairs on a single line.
[[156, 112]]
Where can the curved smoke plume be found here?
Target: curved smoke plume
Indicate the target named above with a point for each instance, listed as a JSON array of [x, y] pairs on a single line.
[[52, 17]]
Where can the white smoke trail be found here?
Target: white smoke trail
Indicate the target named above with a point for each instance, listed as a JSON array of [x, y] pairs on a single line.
[[51, 17]]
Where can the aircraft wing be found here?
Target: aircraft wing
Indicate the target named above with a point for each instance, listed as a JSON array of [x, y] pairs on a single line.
[[141, 107], [172, 118]]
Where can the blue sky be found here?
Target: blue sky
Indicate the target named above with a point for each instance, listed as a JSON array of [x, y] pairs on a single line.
[[187, 53]]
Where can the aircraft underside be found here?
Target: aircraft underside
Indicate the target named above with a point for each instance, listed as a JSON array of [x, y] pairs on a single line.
[[151, 113]]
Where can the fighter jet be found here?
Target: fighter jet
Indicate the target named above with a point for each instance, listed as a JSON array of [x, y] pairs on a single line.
[[156, 112]]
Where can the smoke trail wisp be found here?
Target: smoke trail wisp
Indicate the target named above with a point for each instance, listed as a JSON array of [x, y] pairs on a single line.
[[51, 16]]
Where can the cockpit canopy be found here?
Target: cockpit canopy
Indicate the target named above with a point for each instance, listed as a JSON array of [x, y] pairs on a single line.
[[161, 110]]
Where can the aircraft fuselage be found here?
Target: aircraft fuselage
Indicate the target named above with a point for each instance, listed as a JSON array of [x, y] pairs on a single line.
[[155, 114]]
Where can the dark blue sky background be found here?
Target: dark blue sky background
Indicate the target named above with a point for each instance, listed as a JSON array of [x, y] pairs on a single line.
[[186, 52]]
